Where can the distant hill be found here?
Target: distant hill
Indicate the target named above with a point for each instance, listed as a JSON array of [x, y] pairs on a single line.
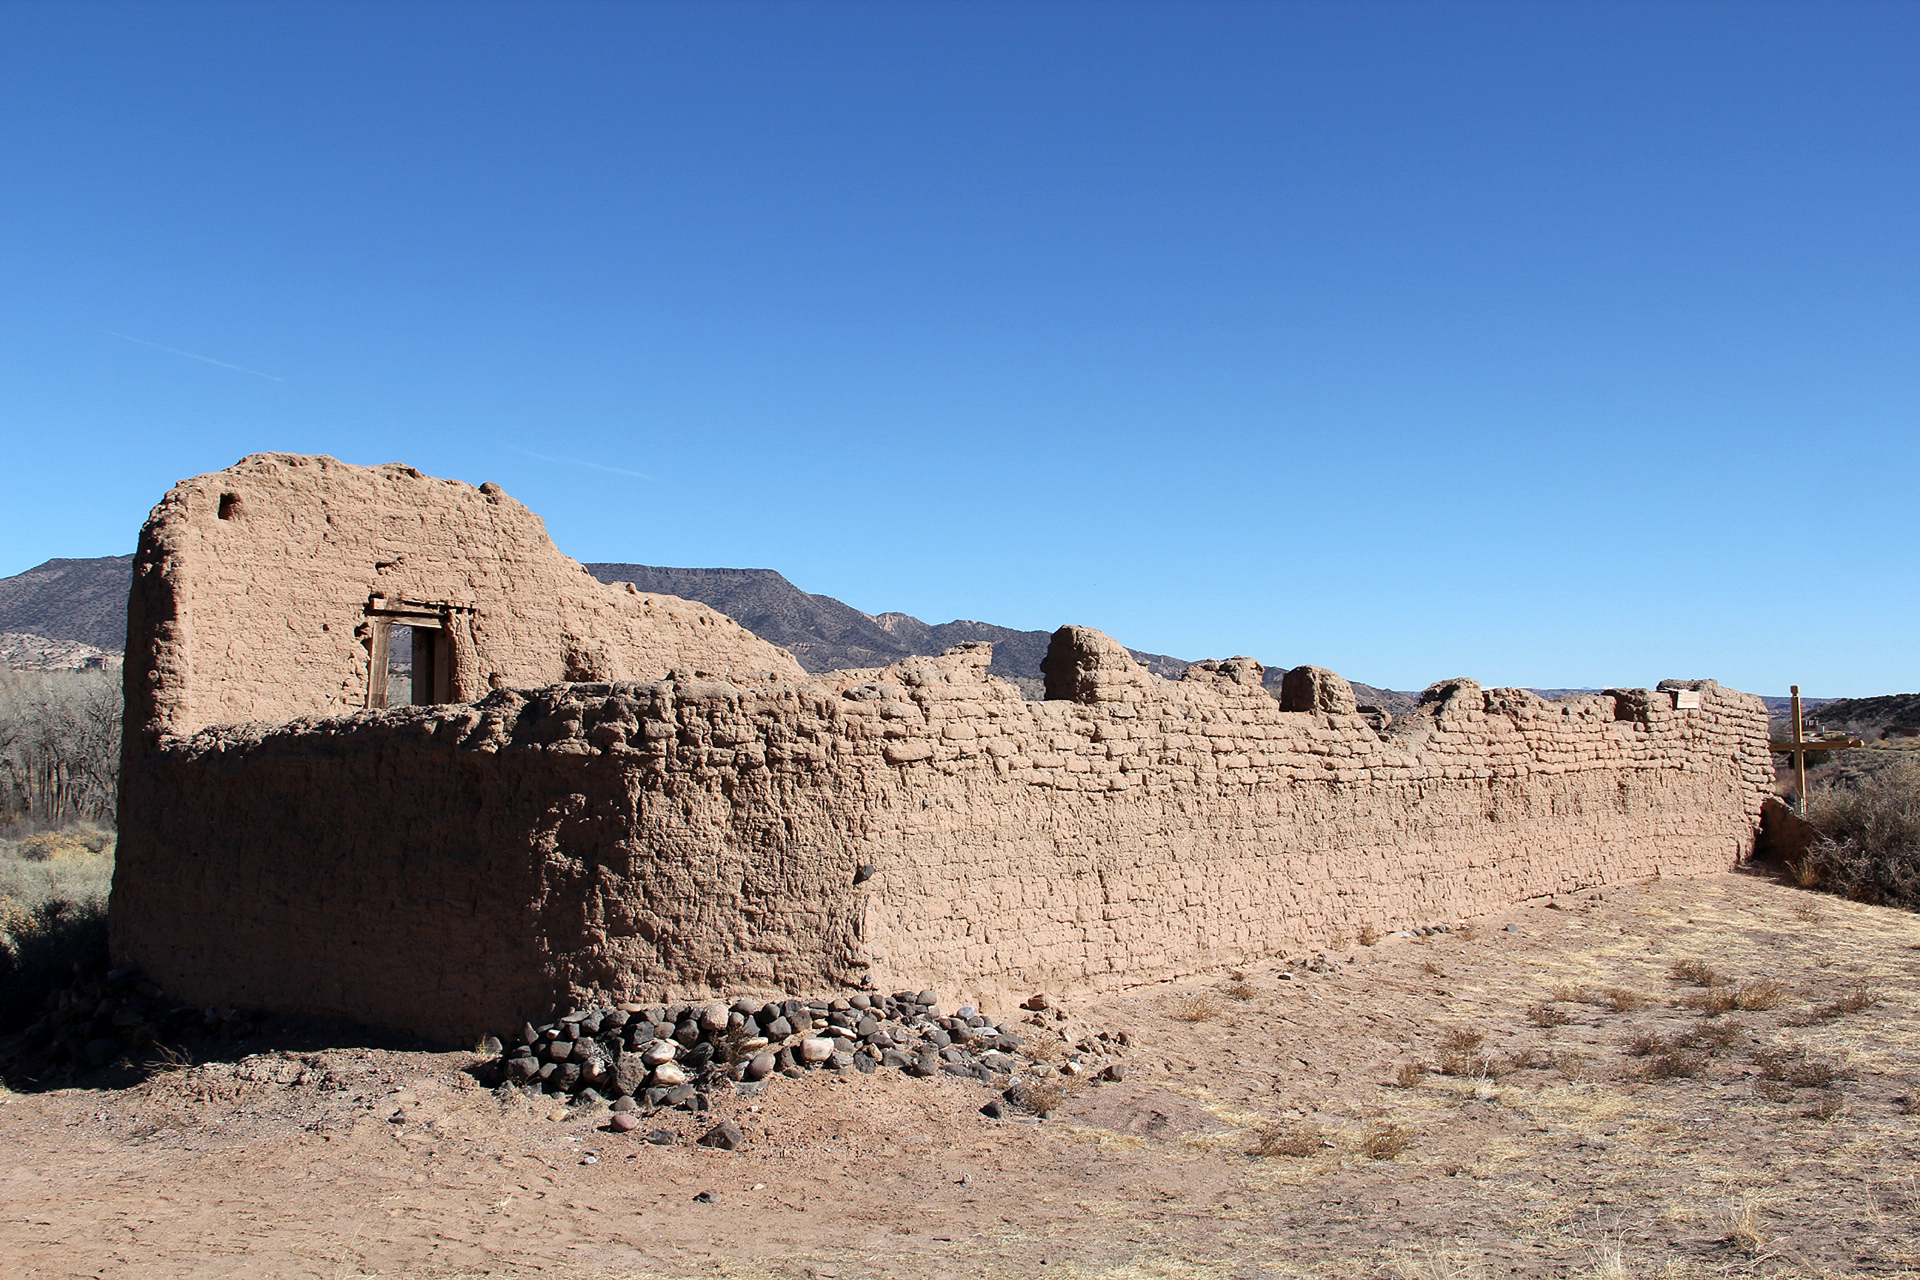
[[828, 635], [1894, 715], [83, 600], [24, 651]]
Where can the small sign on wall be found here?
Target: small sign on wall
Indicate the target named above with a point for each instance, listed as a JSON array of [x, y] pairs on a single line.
[[1686, 699]]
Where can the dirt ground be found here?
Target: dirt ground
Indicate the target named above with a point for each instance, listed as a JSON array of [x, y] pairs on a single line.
[[1781, 1141]]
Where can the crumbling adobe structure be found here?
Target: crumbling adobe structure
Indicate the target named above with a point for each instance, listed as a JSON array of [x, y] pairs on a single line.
[[621, 795]]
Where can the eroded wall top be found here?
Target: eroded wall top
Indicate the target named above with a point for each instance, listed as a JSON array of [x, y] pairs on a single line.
[[257, 591]]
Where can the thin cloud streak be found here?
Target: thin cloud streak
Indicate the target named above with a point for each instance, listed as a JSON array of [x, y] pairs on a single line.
[[189, 355], [592, 466]]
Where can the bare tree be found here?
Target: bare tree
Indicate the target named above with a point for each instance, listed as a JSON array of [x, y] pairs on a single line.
[[59, 746]]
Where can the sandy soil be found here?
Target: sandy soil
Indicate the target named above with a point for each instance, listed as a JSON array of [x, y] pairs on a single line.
[[1552, 1151]]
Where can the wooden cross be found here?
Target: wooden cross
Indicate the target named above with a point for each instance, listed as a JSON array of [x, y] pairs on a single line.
[[1799, 747]]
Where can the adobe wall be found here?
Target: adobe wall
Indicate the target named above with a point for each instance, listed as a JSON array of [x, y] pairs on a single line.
[[251, 589], [455, 869]]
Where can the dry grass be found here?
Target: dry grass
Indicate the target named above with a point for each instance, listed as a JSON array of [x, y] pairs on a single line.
[[1743, 1229], [1193, 1009], [1712, 1002], [1043, 1094], [1044, 1047], [1568, 993], [1677, 1064], [1623, 1000], [1860, 997], [1762, 994], [1718, 1037], [1411, 1074], [1802, 1070], [1645, 1044], [1384, 1142], [1284, 1139], [1696, 973], [1545, 1014], [1855, 999], [1369, 936], [1826, 1107], [1240, 991], [1461, 1054], [1684, 1055]]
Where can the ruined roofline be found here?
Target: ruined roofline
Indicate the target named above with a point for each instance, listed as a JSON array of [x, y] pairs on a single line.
[[261, 592]]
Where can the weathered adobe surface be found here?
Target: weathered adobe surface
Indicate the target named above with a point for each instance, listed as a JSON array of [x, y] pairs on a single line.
[[251, 589], [453, 869]]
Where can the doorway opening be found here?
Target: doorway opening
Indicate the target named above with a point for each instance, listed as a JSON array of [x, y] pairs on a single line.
[[412, 653]]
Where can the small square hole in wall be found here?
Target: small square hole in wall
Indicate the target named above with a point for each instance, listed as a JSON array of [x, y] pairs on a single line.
[[229, 506]]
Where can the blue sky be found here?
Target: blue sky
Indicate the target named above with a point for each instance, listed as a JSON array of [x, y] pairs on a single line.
[[1555, 344]]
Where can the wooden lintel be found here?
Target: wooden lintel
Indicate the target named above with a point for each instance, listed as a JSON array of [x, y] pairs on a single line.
[[1830, 744]]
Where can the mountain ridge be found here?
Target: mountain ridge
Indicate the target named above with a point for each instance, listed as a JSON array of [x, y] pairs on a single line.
[[82, 600]]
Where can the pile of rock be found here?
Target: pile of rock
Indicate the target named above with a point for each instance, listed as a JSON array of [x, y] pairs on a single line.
[[652, 1056]]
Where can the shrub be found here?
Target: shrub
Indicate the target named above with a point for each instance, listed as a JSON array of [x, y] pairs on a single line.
[[1695, 972], [1285, 1140], [1544, 1014], [1384, 1142], [1621, 1000], [1369, 936], [1712, 1002], [41, 948], [1194, 1009], [1411, 1074], [1677, 1064], [1795, 1066], [1645, 1045], [1853, 1000], [1870, 845], [1039, 1095], [1241, 991], [53, 914], [1461, 1055], [1754, 996], [1826, 1107]]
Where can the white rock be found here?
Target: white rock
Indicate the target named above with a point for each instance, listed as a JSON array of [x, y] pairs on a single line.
[[669, 1074], [659, 1051], [815, 1049]]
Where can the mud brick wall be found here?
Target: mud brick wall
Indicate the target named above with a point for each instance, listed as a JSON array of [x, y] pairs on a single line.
[[457, 868], [251, 590]]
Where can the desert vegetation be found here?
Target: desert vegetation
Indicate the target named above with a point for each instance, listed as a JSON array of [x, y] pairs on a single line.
[[1870, 846], [59, 766]]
